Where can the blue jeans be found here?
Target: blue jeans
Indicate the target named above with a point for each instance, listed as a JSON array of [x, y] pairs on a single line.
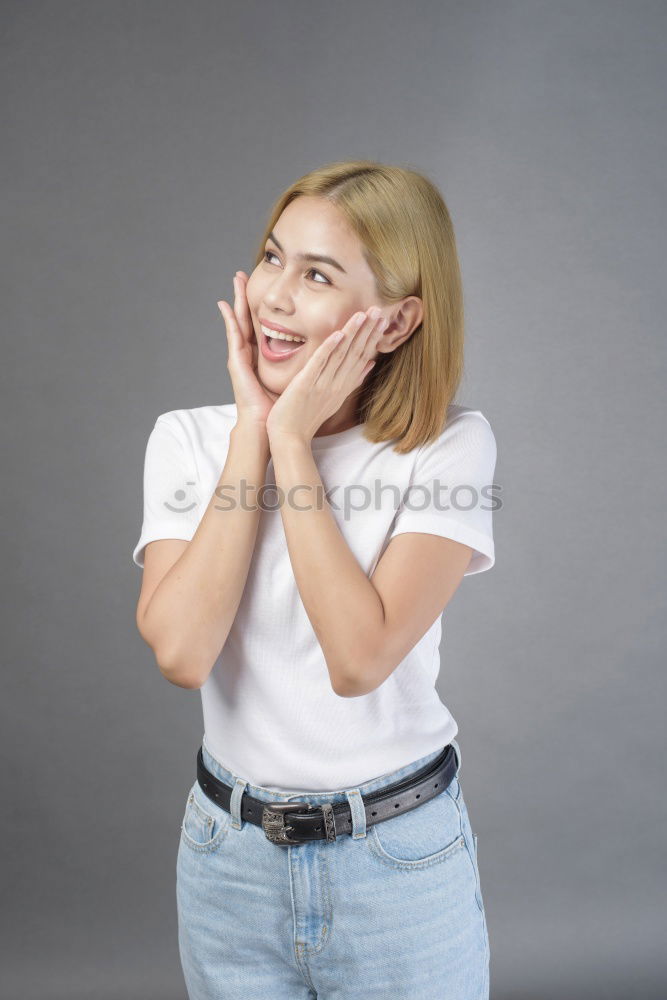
[[391, 911]]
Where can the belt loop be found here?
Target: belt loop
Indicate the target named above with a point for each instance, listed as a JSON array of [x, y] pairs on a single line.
[[457, 748], [235, 802], [358, 810]]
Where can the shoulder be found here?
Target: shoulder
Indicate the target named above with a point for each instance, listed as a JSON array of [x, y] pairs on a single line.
[[196, 425], [466, 433], [466, 419]]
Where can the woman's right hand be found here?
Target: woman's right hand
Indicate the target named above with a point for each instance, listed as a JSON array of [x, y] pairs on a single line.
[[253, 401]]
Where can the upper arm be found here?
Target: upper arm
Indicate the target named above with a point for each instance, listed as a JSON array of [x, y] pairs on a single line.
[[444, 534], [416, 578], [159, 557], [172, 492], [170, 508]]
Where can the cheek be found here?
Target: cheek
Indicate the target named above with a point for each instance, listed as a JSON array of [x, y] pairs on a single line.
[[336, 319], [254, 289], [323, 325]]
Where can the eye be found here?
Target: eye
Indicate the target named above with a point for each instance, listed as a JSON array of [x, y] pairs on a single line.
[[311, 270]]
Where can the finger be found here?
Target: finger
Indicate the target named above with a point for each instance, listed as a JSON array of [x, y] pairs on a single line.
[[369, 335], [234, 338], [335, 350], [243, 311], [320, 358], [350, 331], [251, 336], [361, 328], [343, 338], [357, 347], [340, 341], [239, 311], [371, 364]]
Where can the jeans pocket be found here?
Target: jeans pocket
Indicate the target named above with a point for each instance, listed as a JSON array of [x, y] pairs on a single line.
[[426, 835], [205, 824], [471, 846]]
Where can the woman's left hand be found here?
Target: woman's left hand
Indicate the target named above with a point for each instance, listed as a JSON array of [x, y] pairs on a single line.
[[337, 368]]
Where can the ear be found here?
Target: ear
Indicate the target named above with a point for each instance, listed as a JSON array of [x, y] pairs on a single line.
[[404, 317]]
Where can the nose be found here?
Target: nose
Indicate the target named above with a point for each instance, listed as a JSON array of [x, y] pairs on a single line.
[[278, 295]]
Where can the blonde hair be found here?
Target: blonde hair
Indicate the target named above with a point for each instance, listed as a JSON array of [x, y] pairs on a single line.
[[408, 239]]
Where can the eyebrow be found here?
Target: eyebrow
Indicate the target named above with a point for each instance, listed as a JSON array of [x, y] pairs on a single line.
[[312, 256]]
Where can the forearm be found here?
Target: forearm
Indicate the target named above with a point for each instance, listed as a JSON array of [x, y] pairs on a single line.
[[342, 604], [189, 616]]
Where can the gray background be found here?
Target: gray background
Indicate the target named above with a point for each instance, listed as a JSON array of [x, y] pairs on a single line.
[[144, 144]]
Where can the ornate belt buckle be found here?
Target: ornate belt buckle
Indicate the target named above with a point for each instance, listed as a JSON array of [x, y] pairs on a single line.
[[273, 820]]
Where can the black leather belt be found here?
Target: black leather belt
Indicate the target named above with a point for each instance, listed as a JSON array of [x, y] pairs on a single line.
[[327, 821]]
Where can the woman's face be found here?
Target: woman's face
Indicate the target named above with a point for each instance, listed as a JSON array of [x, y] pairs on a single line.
[[309, 298]]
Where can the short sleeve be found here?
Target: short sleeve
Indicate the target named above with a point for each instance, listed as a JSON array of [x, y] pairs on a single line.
[[462, 461], [171, 506]]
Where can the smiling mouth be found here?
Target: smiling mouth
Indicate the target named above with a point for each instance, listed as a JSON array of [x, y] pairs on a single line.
[[277, 334], [274, 348]]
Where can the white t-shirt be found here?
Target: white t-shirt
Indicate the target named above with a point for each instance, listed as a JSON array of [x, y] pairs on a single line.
[[270, 714]]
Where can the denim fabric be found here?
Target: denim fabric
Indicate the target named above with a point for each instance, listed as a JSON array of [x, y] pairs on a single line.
[[391, 911]]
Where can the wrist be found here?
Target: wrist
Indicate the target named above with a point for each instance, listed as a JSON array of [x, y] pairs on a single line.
[[251, 434], [287, 439]]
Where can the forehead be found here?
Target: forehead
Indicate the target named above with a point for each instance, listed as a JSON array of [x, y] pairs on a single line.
[[314, 226]]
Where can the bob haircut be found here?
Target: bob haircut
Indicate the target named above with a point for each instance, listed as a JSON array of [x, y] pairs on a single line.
[[408, 241]]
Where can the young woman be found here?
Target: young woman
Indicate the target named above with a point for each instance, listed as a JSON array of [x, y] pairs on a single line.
[[298, 549]]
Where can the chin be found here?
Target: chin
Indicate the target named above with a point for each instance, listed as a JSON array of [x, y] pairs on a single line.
[[273, 385], [272, 377]]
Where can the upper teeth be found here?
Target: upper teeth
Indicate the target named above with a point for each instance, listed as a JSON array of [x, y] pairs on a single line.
[[275, 334]]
